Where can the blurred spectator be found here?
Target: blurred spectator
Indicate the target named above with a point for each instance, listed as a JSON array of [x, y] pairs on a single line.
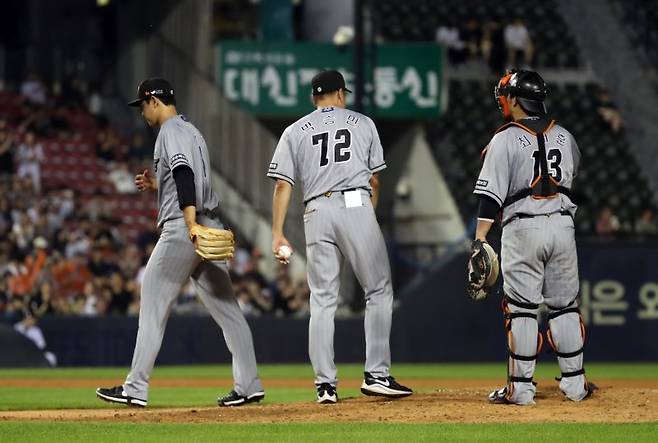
[[608, 111], [6, 153], [41, 301], [95, 104], [244, 301], [288, 298], [493, 46], [646, 224], [607, 224], [448, 36], [73, 92], [29, 158], [517, 41], [471, 35], [123, 180], [107, 145], [34, 90], [139, 150], [121, 296], [70, 275]]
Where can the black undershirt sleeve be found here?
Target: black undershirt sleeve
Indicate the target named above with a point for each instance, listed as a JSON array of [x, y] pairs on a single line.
[[184, 178], [488, 208]]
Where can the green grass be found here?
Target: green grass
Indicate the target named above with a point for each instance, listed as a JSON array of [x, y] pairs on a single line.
[[21, 398], [546, 369], [18, 398], [85, 432]]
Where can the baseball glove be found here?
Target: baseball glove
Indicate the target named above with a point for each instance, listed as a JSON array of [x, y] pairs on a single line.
[[212, 243], [483, 270]]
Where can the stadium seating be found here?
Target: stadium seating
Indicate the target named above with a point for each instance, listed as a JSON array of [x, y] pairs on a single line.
[[641, 18], [73, 163], [418, 20], [609, 174]]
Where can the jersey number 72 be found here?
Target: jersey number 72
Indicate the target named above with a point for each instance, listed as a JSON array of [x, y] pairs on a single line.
[[342, 146]]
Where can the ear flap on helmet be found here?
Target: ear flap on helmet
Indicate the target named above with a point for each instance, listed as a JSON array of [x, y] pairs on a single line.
[[501, 91]]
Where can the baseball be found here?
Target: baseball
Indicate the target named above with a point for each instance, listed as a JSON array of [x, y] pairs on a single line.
[[285, 252]]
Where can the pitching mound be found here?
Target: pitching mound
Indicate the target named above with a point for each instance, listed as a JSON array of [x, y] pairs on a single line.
[[454, 402]]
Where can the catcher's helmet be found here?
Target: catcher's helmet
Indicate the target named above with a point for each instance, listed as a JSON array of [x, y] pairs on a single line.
[[527, 86]]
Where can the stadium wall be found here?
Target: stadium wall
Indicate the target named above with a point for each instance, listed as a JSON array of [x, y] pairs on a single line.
[[436, 323]]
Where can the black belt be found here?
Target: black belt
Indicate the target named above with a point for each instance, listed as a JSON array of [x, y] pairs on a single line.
[[328, 193], [522, 216]]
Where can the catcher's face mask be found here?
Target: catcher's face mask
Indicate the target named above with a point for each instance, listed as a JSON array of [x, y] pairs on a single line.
[[501, 91]]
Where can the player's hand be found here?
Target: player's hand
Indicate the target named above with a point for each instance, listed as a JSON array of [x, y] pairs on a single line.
[[143, 182], [277, 242]]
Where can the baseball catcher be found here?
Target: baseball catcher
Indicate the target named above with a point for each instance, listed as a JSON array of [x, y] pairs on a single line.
[[527, 174]]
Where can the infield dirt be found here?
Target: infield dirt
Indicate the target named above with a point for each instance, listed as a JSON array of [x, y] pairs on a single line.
[[442, 401]]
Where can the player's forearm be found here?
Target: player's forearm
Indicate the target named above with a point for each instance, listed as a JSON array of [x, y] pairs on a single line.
[[482, 229], [280, 202], [374, 184], [189, 214]]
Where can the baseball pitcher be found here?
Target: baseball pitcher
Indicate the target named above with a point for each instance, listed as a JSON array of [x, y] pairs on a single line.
[[529, 167], [336, 154], [192, 244]]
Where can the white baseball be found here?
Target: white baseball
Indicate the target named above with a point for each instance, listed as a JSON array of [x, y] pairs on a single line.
[[285, 252]]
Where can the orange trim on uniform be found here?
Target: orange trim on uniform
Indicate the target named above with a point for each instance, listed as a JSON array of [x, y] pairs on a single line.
[[525, 128]]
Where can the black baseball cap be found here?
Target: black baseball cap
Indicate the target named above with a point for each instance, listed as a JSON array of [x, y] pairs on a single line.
[[152, 87], [328, 81]]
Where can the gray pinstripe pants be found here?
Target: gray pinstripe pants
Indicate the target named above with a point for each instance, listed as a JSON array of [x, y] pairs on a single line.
[[172, 262], [540, 265], [334, 232]]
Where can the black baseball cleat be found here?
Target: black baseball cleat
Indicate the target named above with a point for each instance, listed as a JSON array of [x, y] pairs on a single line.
[[499, 397], [591, 388], [235, 399], [118, 395], [383, 387], [327, 394]]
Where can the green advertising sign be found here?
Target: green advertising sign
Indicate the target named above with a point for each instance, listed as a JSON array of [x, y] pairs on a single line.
[[274, 79]]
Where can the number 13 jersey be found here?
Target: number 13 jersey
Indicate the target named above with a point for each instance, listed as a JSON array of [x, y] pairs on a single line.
[[330, 149], [512, 164]]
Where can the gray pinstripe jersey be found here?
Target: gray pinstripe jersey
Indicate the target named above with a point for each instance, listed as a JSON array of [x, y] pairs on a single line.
[[180, 143], [330, 149], [512, 163]]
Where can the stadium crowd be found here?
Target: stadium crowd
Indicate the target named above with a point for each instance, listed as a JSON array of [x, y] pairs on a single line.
[[65, 253]]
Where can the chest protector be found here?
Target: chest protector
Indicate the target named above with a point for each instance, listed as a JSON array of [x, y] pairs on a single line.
[[544, 185]]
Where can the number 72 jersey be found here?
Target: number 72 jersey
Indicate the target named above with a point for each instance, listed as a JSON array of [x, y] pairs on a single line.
[[513, 163], [330, 149]]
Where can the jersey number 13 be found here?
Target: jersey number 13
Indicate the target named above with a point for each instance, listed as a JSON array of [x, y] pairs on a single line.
[[342, 146], [553, 160]]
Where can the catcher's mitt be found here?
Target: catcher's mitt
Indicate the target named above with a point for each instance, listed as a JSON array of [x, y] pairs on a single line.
[[483, 270], [213, 243]]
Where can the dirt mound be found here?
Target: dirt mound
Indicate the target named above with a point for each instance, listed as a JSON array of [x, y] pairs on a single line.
[[454, 402]]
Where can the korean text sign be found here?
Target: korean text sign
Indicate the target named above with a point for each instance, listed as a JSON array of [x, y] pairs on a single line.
[[274, 80]]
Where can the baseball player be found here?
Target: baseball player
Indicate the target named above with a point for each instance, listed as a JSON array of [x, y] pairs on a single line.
[[192, 244], [336, 154], [529, 167]]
